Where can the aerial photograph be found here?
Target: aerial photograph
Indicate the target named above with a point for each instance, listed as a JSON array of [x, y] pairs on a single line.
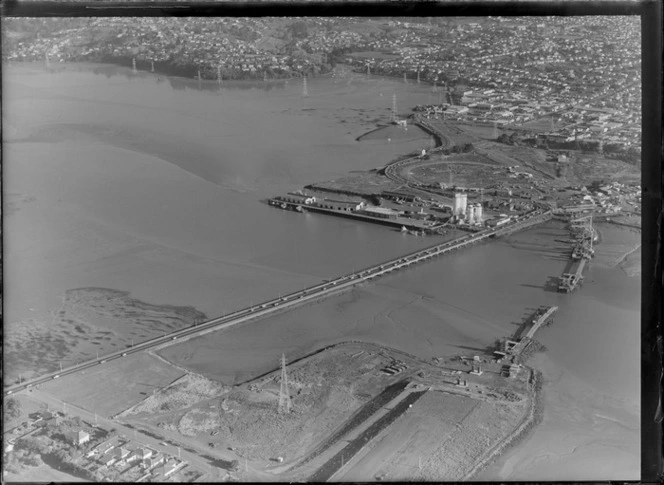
[[310, 249]]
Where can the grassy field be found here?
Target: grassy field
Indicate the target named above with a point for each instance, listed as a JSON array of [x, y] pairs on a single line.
[[40, 474], [110, 388]]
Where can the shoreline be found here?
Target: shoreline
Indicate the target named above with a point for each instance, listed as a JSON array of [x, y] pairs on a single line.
[[534, 418]]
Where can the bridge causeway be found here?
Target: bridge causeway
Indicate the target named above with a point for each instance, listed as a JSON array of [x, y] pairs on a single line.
[[313, 293]]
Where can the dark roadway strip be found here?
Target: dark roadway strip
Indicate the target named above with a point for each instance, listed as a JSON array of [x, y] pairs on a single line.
[[337, 462]]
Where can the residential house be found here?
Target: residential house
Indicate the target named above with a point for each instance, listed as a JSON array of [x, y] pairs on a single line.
[[140, 454], [167, 469], [121, 453], [78, 437], [107, 459], [153, 461]]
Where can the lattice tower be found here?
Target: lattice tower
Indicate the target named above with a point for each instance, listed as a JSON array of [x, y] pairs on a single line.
[[285, 404]]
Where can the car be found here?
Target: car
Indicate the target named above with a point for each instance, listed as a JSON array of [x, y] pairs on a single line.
[[56, 376], [9, 392], [123, 354], [102, 361], [174, 338]]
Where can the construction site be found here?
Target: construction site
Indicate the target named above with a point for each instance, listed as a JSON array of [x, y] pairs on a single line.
[[583, 237], [334, 414]]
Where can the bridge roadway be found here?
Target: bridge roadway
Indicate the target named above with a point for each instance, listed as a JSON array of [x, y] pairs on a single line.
[[291, 300]]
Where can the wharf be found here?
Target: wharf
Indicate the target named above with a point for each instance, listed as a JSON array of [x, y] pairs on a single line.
[[569, 281], [397, 222], [515, 347]]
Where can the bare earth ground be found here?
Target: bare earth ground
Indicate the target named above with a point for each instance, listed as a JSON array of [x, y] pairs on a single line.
[[326, 389], [90, 321], [397, 455], [362, 183], [470, 170], [589, 167], [114, 386]]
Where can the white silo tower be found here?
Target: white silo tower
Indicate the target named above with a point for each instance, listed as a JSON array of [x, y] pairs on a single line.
[[478, 213], [470, 218], [460, 202]]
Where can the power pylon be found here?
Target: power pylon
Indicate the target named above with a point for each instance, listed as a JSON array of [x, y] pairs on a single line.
[[418, 76], [368, 70], [133, 64], [405, 79], [219, 74], [305, 91], [285, 404], [394, 108], [151, 66]]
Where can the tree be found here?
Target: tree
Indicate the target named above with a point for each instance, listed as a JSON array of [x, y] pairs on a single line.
[[299, 29], [13, 408]]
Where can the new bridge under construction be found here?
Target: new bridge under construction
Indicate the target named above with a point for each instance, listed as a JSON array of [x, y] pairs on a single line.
[[297, 298]]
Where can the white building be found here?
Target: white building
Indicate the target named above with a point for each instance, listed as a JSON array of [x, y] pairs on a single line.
[[477, 209], [460, 203]]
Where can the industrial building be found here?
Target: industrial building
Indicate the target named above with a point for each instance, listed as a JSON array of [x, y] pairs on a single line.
[[460, 203], [381, 212], [474, 213], [298, 198], [398, 195], [341, 205]]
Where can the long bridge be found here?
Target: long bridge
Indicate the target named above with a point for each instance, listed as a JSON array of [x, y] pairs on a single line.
[[295, 299]]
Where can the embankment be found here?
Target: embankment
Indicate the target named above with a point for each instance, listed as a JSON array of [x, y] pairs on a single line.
[[533, 417]]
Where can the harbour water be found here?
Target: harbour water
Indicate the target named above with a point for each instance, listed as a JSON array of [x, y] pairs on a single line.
[[153, 185]]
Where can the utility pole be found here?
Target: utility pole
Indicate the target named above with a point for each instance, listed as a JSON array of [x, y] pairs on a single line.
[[151, 66], [305, 91], [219, 74], [405, 79], [394, 108], [285, 404], [133, 64]]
